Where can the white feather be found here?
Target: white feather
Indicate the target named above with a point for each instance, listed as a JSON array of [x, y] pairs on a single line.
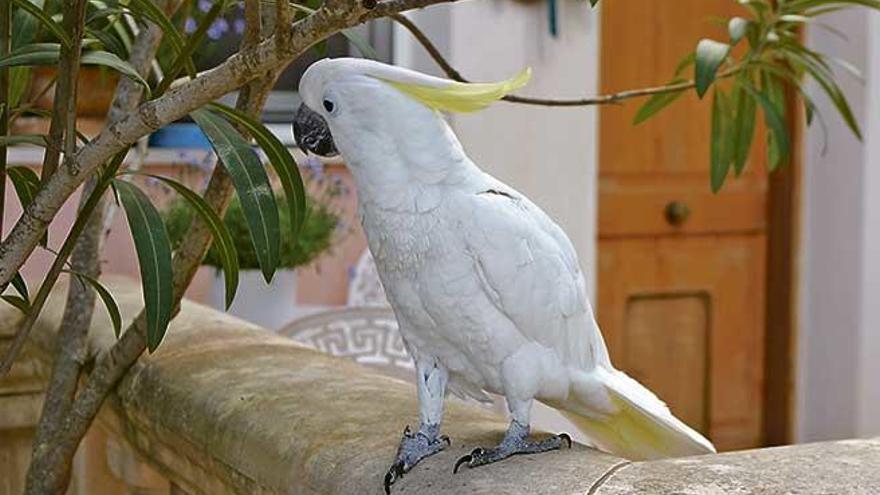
[[480, 278]]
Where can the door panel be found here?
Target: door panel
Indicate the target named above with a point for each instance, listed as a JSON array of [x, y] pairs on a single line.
[[681, 279], [685, 317], [665, 347]]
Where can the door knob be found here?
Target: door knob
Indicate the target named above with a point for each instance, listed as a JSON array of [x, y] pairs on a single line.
[[676, 212]]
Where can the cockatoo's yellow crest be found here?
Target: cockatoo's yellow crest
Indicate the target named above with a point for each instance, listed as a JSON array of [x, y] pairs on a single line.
[[462, 97]]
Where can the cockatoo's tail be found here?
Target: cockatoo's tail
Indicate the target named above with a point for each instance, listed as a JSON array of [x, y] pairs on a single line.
[[486, 288]]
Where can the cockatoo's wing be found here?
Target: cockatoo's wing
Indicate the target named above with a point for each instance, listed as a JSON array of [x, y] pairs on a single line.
[[529, 269]]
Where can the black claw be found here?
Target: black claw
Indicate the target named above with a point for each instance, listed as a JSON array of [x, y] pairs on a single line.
[[407, 432], [460, 461], [564, 436], [389, 478], [393, 474], [444, 438], [477, 451]]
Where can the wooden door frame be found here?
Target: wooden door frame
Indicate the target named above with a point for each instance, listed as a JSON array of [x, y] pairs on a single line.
[[784, 188]]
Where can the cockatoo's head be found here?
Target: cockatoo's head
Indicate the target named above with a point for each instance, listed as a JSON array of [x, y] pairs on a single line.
[[355, 106]]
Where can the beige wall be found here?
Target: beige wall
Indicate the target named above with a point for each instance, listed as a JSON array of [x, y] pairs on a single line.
[[839, 328]]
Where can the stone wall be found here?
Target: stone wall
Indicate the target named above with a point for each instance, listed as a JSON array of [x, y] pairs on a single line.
[[226, 407]]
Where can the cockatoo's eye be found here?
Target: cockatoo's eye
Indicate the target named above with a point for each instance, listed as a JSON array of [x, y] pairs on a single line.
[[329, 105]]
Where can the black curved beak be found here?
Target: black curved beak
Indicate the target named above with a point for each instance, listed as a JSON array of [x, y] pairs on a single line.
[[312, 133]]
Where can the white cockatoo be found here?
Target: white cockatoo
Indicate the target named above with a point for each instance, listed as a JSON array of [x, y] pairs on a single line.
[[485, 286]]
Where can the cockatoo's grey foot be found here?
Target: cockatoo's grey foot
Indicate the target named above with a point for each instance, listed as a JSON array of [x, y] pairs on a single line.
[[413, 448], [516, 441]]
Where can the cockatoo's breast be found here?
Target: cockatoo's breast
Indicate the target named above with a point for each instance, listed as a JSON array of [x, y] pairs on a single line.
[[435, 290]]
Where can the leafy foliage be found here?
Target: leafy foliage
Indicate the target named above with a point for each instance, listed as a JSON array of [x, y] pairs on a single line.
[[315, 237], [154, 257], [774, 60], [251, 184], [223, 246]]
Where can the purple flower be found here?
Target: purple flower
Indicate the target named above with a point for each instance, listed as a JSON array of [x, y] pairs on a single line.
[[218, 29], [205, 5], [190, 25], [238, 26]]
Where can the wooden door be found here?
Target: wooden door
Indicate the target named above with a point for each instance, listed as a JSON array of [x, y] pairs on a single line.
[[681, 278]]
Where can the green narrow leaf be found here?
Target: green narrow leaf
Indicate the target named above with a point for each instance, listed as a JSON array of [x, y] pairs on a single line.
[[826, 82], [656, 103], [21, 287], [25, 28], [279, 158], [106, 298], [14, 139], [809, 112], [709, 55], [362, 45], [108, 42], [719, 156], [775, 125], [47, 22], [154, 257], [849, 67], [107, 59], [17, 302], [684, 63], [33, 54], [737, 28], [222, 237], [772, 88], [23, 34], [743, 128], [26, 183], [49, 53], [252, 185]]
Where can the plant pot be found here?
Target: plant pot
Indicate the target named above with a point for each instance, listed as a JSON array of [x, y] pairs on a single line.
[[180, 135], [96, 87], [268, 305]]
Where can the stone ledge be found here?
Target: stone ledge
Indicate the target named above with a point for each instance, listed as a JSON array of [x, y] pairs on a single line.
[[226, 407]]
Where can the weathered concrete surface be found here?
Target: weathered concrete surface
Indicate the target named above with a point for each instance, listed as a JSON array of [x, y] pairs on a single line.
[[226, 407], [832, 468]]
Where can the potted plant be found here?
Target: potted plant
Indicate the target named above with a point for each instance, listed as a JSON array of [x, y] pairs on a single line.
[[274, 304]]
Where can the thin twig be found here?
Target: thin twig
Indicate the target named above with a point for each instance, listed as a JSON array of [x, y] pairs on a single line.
[[283, 22], [64, 104], [608, 99], [5, 46]]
